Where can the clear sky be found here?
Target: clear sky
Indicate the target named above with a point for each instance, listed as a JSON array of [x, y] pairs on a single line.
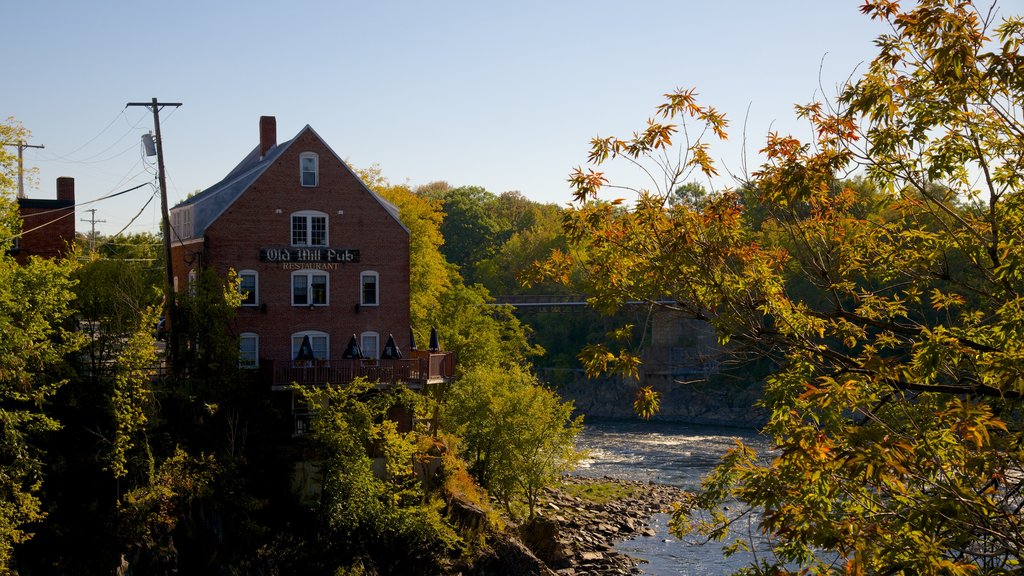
[[504, 95]]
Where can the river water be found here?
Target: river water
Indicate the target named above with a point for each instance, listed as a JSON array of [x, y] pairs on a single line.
[[665, 453]]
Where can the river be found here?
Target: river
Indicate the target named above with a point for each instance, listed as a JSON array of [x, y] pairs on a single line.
[[666, 453]]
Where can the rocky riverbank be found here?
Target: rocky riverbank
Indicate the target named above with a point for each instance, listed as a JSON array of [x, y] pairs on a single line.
[[578, 523]]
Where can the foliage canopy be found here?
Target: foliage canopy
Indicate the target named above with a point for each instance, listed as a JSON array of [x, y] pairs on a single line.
[[891, 305]]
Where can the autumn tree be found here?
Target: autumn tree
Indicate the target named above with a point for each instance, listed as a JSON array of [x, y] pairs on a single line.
[[893, 308], [439, 298]]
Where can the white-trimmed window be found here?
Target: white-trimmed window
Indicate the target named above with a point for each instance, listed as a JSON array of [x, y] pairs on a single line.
[[309, 228], [309, 288], [309, 169], [249, 287], [369, 343], [182, 222], [369, 288], [317, 340], [248, 350]]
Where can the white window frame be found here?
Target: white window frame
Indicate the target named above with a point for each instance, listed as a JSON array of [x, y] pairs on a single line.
[[256, 287], [183, 222], [307, 216], [243, 361], [316, 169], [309, 274], [363, 276], [370, 352], [314, 335]]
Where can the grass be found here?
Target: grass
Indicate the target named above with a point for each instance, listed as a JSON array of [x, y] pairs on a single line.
[[599, 492]]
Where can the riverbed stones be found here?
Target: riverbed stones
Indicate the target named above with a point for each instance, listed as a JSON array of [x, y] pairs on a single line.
[[576, 537]]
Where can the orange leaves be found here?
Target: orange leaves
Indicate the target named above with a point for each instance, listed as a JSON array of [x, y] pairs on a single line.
[[972, 422], [684, 102], [586, 184], [782, 147], [702, 160]]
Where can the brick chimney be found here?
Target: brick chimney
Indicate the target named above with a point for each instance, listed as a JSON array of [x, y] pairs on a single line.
[[268, 134], [66, 189]]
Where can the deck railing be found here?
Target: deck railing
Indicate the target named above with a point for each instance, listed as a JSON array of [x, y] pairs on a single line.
[[417, 368]]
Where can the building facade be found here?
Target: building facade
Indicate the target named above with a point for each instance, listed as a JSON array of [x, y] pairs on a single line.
[[321, 259], [47, 226]]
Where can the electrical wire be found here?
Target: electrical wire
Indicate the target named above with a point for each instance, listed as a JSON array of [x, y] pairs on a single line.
[[44, 225], [134, 218], [60, 157], [70, 210]]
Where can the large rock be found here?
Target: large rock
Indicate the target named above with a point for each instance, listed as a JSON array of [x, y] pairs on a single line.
[[543, 536]]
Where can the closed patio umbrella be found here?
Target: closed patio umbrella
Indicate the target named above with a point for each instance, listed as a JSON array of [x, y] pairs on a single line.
[[305, 350], [352, 351], [391, 351], [435, 343]]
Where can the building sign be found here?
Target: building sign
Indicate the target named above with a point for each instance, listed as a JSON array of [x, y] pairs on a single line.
[[314, 255]]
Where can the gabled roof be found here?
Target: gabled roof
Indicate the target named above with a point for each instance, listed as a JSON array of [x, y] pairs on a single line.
[[212, 202]]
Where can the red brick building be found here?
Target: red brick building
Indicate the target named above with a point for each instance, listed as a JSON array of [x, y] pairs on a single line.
[[321, 258], [47, 226]]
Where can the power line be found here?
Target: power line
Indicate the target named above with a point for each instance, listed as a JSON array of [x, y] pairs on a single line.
[[69, 210], [66, 157]]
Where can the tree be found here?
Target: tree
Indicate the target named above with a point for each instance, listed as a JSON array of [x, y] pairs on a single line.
[[893, 310], [385, 519], [519, 436], [430, 275], [470, 230], [466, 322], [35, 306]]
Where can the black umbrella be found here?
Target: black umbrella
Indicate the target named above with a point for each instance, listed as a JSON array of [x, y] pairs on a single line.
[[435, 344], [352, 352], [391, 351], [412, 339], [305, 350]]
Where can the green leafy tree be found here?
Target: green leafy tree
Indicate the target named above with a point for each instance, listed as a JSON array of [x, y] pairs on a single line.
[[471, 230], [519, 435], [533, 231], [384, 519], [892, 310], [206, 348], [35, 306]]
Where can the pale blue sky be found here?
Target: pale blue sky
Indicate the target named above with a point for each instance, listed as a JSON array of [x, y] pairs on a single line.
[[505, 96]]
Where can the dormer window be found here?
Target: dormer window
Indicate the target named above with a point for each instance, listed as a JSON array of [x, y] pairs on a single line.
[[309, 169]]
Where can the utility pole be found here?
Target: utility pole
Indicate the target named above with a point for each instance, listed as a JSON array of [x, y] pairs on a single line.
[[92, 235], [21, 169], [156, 106]]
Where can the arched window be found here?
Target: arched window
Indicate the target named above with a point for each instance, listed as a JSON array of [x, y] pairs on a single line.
[[369, 288], [249, 287], [369, 342], [248, 350], [309, 288], [309, 169], [318, 345], [309, 228]]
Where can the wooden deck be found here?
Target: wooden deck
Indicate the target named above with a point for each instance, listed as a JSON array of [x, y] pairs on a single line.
[[416, 370]]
